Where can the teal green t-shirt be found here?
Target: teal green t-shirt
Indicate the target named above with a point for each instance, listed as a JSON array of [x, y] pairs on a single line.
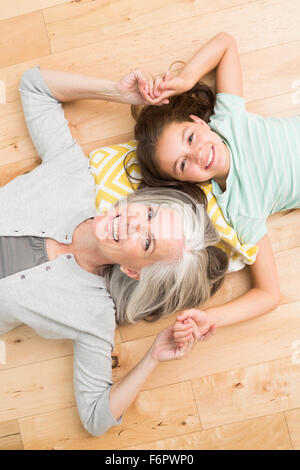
[[264, 175]]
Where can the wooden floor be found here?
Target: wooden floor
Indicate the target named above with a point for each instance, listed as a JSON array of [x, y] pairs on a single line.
[[241, 389]]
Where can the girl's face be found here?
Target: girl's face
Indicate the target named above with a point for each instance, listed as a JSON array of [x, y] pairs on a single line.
[[191, 151], [136, 235]]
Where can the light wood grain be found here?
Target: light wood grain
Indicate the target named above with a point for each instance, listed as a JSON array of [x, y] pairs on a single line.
[[252, 434], [293, 422], [10, 438], [76, 24], [23, 38], [243, 379], [248, 392], [16, 8], [161, 412], [36, 388]]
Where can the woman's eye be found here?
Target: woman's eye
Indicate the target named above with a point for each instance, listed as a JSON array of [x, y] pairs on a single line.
[[150, 213], [190, 139], [182, 165], [147, 244]]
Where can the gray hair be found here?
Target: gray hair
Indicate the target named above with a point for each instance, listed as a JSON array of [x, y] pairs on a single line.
[[168, 286]]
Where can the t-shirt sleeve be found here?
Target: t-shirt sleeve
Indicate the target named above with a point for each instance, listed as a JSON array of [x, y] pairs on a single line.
[[249, 230], [227, 103], [93, 382]]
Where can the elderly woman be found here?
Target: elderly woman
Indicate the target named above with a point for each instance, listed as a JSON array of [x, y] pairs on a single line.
[[69, 273]]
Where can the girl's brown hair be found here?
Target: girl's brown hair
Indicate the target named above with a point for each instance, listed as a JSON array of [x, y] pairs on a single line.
[[151, 122]]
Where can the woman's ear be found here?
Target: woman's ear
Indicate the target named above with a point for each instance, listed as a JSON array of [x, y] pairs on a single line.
[[130, 272]]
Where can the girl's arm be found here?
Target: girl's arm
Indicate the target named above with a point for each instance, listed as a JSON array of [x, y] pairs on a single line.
[[263, 297], [221, 53]]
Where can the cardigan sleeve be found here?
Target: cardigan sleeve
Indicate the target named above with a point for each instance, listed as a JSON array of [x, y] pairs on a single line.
[[93, 382], [45, 118]]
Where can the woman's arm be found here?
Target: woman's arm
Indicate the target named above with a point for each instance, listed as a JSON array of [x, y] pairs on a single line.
[[124, 391], [221, 53], [67, 86]]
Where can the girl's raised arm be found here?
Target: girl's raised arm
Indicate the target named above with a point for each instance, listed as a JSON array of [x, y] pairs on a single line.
[[221, 53]]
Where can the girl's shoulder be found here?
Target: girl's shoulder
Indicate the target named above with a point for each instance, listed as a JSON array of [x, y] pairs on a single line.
[[227, 103]]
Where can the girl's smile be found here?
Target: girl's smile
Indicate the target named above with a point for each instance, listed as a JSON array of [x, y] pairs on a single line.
[[191, 151]]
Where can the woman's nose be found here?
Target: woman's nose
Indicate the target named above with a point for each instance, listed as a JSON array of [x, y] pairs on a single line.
[[136, 226]]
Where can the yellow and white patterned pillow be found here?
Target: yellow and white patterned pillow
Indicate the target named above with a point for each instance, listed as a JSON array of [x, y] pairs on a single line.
[[112, 184]]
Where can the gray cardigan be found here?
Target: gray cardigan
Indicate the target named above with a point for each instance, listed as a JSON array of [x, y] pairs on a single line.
[[59, 299]]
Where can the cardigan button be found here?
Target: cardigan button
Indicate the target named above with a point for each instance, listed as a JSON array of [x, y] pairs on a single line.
[[48, 268], [22, 276], [69, 256]]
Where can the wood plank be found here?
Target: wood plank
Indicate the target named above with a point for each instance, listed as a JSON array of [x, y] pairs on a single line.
[[282, 105], [36, 388], [10, 438], [80, 23], [265, 433], [293, 422], [88, 24], [48, 385], [262, 339], [164, 412], [17, 8], [25, 346], [278, 65], [248, 392], [284, 230], [235, 285], [23, 38]]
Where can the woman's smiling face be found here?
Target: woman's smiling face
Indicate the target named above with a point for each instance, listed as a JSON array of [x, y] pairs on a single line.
[[137, 235], [191, 151]]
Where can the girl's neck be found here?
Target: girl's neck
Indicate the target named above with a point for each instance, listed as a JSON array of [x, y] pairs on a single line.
[[222, 178]]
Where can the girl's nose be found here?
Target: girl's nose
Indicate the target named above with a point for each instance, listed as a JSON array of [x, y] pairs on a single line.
[[197, 155]]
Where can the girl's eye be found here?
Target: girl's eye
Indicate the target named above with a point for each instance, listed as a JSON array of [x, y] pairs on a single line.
[[182, 165], [190, 139]]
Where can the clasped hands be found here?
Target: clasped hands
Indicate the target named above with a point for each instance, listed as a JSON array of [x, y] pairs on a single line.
[[140, 87], [177, 340]]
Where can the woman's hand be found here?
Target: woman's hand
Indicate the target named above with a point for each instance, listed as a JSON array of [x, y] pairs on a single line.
[[194, 319], [137, 87], [165, 348]]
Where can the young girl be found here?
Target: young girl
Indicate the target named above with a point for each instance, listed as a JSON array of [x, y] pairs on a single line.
[[252, 162]]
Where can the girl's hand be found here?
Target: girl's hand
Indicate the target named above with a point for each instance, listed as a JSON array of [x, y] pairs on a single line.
[[169, 84], [137, 87], [197, 320], [165, 348]]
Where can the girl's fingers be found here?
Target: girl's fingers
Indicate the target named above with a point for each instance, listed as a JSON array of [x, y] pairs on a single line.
[[157, 82], [183, 336]]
